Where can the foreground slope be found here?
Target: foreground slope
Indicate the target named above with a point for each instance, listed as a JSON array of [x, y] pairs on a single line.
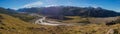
[[11, 25]]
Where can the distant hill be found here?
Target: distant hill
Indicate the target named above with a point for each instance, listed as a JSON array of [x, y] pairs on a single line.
[[16, 14], [59, 11], [7, 11]]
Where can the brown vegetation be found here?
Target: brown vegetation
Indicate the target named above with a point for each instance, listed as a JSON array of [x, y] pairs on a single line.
[[16, 26]]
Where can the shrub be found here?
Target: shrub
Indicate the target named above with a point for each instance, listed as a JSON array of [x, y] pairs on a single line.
[[85, 22], [1, 27], [116, 31], [1, 17]]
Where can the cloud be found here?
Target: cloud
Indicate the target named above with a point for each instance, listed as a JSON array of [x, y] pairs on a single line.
[[34, 4], [50, 5]]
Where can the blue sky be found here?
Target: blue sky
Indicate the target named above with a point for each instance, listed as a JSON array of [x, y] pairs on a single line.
[[16, 4]]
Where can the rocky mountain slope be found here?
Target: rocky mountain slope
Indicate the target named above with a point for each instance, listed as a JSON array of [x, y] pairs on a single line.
[[60, 11]]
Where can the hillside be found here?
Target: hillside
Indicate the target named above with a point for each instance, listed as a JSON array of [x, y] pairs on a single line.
[[7, 11], [12, 25], [9, 24]]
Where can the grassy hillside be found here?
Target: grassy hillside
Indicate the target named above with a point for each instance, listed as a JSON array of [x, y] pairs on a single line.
[[79, 19], [73, 19], [11, 25], [24, 17]]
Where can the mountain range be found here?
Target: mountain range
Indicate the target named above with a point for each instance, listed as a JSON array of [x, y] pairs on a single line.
[[59, 11]]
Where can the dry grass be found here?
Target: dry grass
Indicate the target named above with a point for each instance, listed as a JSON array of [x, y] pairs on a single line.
[[72, 19], [11, 25]]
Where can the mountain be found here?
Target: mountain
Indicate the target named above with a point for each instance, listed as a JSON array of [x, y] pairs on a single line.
[[30, 10], [7, 11], [72, 11], [16, 14]]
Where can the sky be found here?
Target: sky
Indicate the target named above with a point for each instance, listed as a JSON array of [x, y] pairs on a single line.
[[16, 4]]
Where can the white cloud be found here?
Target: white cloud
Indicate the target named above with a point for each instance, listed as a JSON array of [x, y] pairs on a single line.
[[50, 5], [34, 4]]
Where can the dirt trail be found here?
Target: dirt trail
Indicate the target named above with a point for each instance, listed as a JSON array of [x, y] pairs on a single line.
[[43, 21]]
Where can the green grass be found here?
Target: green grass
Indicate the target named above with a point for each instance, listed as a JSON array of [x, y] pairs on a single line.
[[73, 19], [24, 17]]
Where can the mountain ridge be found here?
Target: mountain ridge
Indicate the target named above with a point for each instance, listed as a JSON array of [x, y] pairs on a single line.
[[72, 11]]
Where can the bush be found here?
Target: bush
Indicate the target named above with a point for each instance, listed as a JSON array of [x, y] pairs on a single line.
[[1, 17], [116, 31], [85, 22], [1, 27]]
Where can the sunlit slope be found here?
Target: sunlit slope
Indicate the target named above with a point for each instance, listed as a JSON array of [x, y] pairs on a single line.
[[9, 24]]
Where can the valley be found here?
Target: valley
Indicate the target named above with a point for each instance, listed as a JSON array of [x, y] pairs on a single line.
[[59, 20]]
